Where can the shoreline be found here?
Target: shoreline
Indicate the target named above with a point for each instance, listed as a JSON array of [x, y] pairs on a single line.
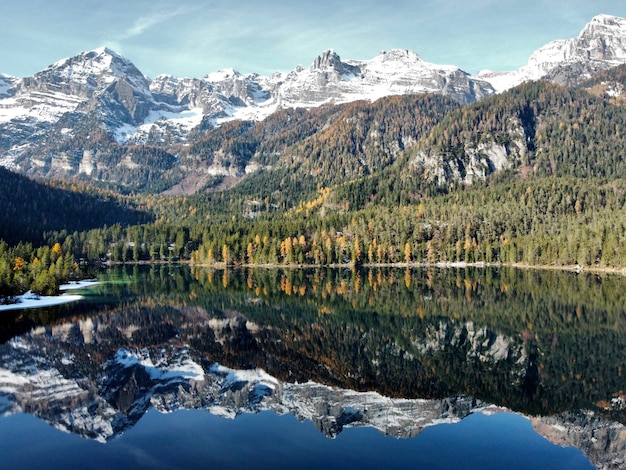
[[441, 264], [29, 300]]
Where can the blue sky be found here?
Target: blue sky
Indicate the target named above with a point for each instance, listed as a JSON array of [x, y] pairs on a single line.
[[195, 37]]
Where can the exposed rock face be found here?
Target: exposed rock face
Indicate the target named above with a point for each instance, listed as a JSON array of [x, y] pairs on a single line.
[[603, 441], [389, 73], [475, 163], [217, 94]]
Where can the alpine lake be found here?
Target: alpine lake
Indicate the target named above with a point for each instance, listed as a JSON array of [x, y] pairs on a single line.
[[167, 366]]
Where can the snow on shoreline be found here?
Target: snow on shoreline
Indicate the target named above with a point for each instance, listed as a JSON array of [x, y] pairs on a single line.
[[31, 300], [79, 284]]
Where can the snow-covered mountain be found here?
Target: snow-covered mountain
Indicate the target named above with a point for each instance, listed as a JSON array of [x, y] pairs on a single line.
[[65, 120], [227, 94], [70, 84], [101, 90], [131, 104], [394, 72], [599, 46]]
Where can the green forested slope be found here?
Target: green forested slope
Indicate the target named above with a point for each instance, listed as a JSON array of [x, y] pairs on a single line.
[[302, 151], [31, 208], [546, 129]]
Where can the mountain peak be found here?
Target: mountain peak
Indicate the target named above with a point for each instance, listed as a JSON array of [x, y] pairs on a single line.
[[105, 50], [92, 69], [608, 20], [101, 55], [604, 25], [222, 75], [329, 64], [327, 59], [399, 54], [600, 45]]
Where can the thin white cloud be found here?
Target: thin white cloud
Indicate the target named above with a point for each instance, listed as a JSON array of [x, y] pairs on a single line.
[[145, 23]]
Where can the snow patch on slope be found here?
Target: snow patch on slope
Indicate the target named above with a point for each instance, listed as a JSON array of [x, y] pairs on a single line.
[[181, 367]]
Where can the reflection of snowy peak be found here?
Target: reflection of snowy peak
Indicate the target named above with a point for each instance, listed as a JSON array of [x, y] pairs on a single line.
[[111, 398], [600, 46], [332, 409], [31, 383], [168, 379], [97, 376]]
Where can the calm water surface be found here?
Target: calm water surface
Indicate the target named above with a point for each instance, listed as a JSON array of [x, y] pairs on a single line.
[[165, 367]]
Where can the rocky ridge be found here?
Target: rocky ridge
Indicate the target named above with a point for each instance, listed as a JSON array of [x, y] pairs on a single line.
[[599, 46], [87, 115]]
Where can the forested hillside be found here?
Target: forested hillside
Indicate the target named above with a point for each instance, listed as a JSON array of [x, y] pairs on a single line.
[[540, 130], [300, 151], [31, 208], [537, 130]]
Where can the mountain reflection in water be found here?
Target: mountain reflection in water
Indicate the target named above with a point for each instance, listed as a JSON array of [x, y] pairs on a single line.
[[392, 349]]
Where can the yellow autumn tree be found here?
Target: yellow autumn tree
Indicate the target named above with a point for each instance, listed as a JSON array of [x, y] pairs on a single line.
[[250, 253], [19, 264], [56, 252]]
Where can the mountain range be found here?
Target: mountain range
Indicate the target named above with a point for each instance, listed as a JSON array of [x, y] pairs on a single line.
[[97, 117]]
